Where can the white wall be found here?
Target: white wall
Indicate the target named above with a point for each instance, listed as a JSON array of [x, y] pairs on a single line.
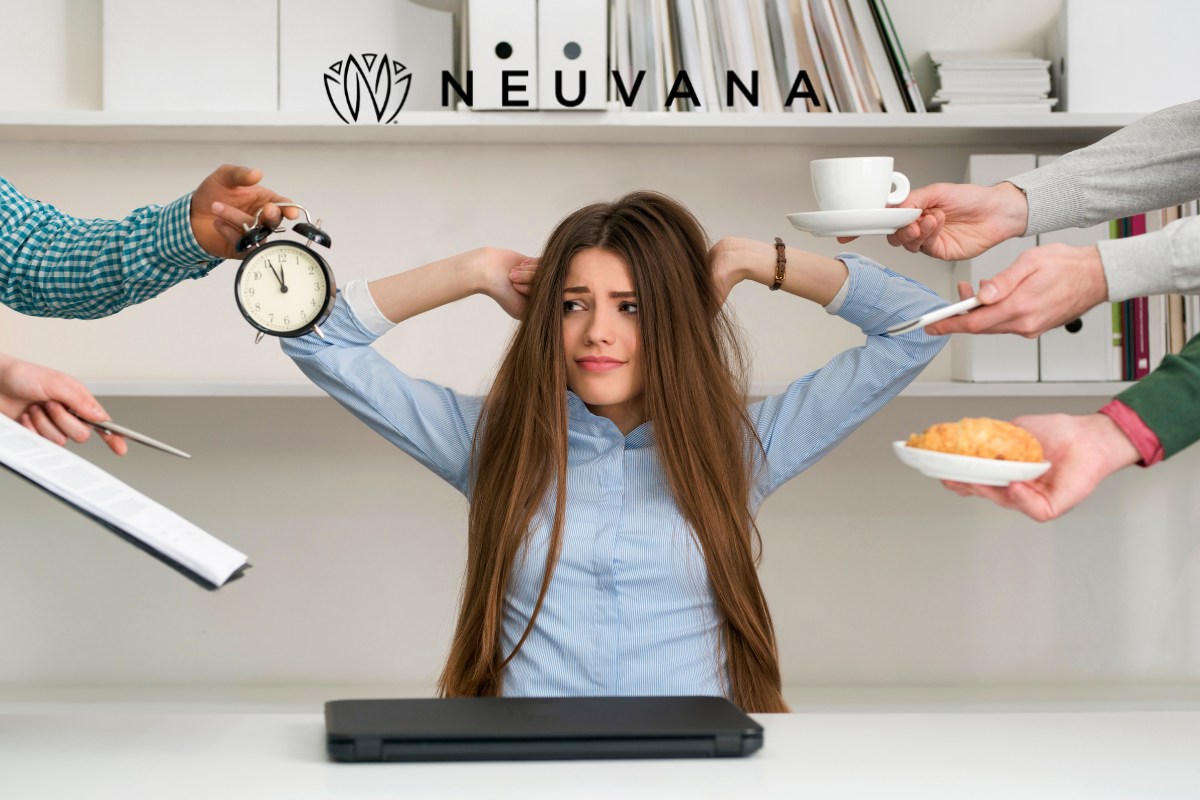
[[877, 576]]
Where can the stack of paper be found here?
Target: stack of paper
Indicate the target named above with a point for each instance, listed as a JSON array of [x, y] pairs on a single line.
[[992, 82]]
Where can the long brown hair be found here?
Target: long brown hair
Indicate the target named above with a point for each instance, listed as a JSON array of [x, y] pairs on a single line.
[[695, 392]]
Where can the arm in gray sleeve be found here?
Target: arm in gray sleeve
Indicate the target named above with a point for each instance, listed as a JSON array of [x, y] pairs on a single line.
[[1163, 262], [1153, 163]]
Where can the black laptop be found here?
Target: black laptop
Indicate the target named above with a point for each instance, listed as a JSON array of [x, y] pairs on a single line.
[[532, 728]]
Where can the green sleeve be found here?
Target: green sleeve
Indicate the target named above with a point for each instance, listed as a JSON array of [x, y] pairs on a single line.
[[1168, 399]]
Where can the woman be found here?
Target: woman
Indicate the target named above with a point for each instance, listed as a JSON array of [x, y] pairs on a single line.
[[614, 469]]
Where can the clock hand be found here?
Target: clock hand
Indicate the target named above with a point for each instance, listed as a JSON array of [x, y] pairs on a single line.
[[278, 276]]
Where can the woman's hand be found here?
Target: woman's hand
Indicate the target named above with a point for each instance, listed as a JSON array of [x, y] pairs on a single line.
[[505, 276], [734, 260]]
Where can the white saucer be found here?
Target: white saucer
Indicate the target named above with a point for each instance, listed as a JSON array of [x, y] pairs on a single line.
[[861, 222], [969, 469]]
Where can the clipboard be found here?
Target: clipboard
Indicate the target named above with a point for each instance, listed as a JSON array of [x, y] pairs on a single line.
[[194, 577], [136, 518]]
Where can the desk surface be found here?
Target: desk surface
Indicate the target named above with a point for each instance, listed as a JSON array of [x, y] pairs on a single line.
[[131, 753]]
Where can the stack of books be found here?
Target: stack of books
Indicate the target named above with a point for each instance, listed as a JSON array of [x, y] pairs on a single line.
[[975, 82], [1145, 329], [758, 55]]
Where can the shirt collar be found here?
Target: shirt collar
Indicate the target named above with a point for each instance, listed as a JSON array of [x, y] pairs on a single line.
[[578, 416]]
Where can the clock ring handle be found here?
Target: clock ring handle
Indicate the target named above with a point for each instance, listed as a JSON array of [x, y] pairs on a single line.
[[278, 205]]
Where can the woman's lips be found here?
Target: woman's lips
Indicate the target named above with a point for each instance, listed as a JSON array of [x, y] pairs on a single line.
[[598, 363]]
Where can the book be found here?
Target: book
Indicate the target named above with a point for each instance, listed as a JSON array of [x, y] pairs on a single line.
[[810, 34], [641, 54], [1156, 320], [663, 61], [907, 81], [1117, 368], [1175, 324], [787, 55], [1141, 337], [876, 53], [126, 512], [689, 53], [743, 61], [836, 61], [702, 13], [768, 77], [859, 74]]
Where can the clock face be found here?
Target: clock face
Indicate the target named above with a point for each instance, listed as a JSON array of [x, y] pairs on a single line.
[[282, 288]]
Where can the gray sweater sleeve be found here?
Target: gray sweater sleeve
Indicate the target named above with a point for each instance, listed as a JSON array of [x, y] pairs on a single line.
[[1153, 163]]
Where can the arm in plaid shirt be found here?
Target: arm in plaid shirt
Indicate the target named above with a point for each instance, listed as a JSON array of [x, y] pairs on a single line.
[[55, 265]]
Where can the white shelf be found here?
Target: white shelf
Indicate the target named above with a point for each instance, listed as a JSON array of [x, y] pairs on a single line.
[[963, 389], [569, 127], [918, 389]]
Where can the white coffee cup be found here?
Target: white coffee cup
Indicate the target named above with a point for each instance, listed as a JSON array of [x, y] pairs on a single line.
[[850, 184]]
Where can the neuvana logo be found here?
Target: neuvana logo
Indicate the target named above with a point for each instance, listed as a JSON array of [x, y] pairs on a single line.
[[382, 82]]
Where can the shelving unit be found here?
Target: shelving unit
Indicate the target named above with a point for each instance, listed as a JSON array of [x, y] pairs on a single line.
[[607, 127], [918, 389]]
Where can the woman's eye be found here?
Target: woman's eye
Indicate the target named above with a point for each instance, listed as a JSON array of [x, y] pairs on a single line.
[[571, 305], [629, 308]]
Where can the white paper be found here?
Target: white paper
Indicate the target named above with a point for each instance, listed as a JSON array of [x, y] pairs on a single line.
[[85, 485]]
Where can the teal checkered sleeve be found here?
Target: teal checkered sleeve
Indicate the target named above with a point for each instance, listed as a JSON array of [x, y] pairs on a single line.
[[55, 265]]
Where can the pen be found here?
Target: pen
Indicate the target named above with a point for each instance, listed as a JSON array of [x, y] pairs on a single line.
[[111, 427]]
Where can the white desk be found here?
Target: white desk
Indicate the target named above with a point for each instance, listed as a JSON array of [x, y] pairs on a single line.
[[127, 753]]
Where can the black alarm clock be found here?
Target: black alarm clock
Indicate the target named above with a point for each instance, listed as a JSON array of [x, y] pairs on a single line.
[[284, 288]]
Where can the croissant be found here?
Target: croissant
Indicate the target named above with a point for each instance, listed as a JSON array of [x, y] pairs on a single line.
[[980, 437]]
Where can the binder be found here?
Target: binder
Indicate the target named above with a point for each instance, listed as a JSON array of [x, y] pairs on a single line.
[[999, 357], [1083, 351], [503, 36], [418, 43], [190, 57], [572, 37]]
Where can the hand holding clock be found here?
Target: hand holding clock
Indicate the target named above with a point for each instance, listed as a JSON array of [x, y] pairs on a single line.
[[228, 198]]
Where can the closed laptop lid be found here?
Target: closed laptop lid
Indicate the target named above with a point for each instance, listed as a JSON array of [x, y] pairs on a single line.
[[476, 718]]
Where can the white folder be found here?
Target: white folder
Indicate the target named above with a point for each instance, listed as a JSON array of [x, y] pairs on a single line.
[[221, 55], [572, 42], [993, 357], [503, 36], [1080, 352], [315, 60]]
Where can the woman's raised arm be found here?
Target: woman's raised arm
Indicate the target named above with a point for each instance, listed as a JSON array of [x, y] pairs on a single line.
[[488, 270], [432, 423], [819, 410]]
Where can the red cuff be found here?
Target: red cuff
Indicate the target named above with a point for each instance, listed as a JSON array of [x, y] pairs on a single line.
[[1145, 440]]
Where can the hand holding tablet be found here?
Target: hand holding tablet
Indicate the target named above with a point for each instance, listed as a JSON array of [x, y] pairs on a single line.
[[937, 315]]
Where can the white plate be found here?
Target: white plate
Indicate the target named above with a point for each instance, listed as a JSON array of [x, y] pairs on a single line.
[[863, 222], [969, 469]]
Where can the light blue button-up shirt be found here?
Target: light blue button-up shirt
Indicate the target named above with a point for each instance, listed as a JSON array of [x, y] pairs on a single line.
[[629, 610]]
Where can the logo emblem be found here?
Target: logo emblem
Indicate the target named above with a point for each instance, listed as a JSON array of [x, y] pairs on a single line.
[[371, 77]]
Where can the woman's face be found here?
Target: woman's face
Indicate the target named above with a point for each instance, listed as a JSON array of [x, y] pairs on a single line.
[[601, 334]]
